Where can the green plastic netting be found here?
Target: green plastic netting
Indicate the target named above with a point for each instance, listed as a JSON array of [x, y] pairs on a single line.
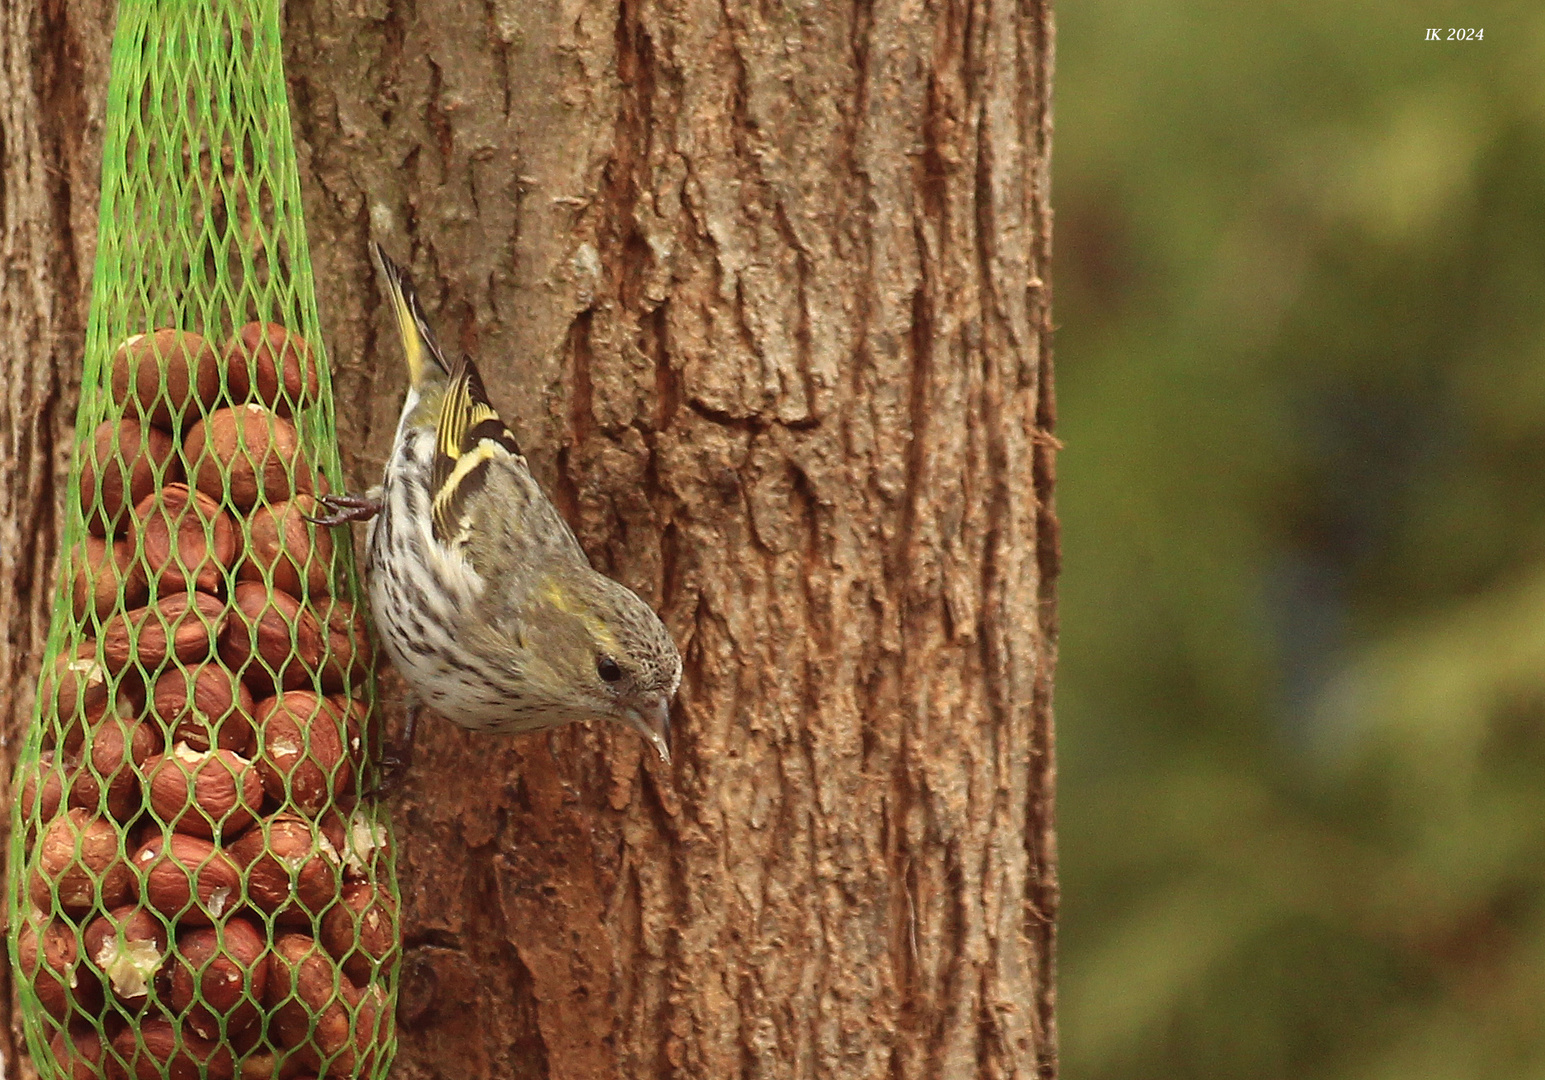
[[200, 884]]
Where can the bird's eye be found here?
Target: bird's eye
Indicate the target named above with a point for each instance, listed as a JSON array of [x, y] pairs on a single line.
[[607, 668]]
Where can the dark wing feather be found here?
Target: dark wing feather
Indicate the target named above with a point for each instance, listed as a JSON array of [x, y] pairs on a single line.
[[468, 439]]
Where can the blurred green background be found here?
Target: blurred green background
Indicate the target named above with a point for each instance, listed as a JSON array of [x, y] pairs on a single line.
[[1301, 289]]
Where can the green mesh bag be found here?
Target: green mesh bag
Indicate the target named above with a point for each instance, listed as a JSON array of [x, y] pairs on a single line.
[[200, 882]]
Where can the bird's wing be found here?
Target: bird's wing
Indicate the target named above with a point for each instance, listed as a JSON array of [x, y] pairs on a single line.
[[417, 338], [470, 439]]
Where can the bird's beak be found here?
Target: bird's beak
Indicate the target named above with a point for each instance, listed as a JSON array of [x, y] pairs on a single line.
[[652, 720]]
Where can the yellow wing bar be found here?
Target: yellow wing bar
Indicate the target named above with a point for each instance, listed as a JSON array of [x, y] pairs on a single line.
[[468, 436]]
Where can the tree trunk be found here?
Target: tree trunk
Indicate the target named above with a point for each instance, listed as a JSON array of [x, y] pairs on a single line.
[[762, 290]]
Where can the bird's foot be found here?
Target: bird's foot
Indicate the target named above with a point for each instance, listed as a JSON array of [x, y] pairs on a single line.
[[398, 759], [345, 508]]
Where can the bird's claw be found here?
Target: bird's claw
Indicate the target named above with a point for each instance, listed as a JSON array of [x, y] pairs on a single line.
[[345, 509], [391, 771], [395, 761]]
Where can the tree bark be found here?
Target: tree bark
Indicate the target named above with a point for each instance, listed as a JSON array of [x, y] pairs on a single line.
[[764, 293], [53, 69]]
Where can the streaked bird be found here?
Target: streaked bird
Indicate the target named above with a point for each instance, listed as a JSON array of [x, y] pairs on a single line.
[[481, 594]]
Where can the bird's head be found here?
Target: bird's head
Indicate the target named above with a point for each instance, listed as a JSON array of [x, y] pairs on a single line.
[[597, 649]]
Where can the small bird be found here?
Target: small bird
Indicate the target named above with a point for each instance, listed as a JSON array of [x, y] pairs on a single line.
[[483, 597]]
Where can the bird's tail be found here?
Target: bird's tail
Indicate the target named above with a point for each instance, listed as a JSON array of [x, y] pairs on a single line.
[[417, 338]]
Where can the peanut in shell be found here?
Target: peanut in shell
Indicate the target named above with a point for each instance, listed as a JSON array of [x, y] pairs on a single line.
[[267, 363], [282, 543], [206, 706], [107, 577], [187, 879], [78, 865], [165, 375], [189, 542], [185, 625], [250, 453], [124, 462]]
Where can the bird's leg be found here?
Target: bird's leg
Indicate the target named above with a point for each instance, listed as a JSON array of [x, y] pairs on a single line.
[[396, 761], [346, 508]]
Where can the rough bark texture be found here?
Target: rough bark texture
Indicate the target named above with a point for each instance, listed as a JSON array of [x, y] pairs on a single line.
[[761, 289], [53, 68]]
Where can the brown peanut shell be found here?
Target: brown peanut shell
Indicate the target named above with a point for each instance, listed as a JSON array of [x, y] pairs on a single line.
[[185, 626], [191, 371], [282, 543], [107, 577], [251, 451], [124, 462], [206, 707], [302, 756], [94, 875], [268, 363], [188, 541], [186, 878]]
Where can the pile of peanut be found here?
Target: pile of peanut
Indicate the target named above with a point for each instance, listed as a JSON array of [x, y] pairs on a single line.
[[208, 895]]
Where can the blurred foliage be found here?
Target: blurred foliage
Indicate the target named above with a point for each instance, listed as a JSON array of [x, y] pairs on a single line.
[[1300, 280]]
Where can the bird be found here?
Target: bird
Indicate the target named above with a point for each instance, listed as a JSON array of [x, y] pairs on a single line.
[[483, 598]]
